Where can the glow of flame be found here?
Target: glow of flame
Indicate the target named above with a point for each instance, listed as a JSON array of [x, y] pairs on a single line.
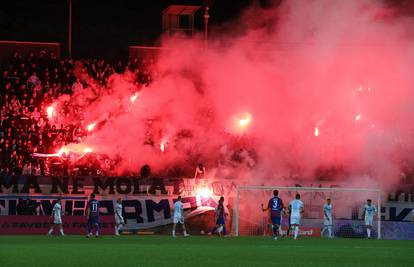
[[50, 111], [358, 117], [245, 120], [360, 88], [78, 150], [203, 192], [91, 126], [62, 151], [134, 97], [373, 125], [316, 132]]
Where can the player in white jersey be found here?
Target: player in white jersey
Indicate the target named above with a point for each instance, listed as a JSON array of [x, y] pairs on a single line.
[[369, 212], [327, 218], [119, 220], [57, 217], [179, 216], [296, 209]]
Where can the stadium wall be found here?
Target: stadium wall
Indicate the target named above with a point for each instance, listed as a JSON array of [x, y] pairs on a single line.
[[145, 51], [8, 47]]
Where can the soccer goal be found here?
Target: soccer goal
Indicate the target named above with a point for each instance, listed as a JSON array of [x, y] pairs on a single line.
[[347, 213]]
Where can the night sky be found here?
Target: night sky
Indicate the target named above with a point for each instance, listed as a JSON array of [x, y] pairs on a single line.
[[100, 28]]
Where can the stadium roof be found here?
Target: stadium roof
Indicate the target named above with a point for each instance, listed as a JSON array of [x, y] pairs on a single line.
[[181, 9]]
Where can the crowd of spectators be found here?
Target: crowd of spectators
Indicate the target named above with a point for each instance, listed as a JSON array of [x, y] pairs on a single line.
[[28, 85]]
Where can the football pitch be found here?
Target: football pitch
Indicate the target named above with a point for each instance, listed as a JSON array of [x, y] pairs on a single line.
[[112, 251]]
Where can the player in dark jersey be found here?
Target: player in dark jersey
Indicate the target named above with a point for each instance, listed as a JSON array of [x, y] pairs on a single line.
[[220, 215], [276, 207], [221, 220], [92, 213]]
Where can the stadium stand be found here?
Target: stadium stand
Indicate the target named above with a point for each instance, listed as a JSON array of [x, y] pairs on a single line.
[[28, 84]]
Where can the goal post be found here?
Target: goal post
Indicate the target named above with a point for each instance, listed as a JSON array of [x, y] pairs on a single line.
[[347, 204]]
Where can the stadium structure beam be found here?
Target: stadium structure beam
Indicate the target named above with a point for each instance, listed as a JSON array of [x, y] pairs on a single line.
[[70, 30]]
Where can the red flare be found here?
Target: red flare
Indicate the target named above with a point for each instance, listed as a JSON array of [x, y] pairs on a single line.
[[91, 126], [316, 132], [50, 112]]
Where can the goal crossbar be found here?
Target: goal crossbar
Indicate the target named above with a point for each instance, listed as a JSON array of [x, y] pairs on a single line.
[[336, 189]]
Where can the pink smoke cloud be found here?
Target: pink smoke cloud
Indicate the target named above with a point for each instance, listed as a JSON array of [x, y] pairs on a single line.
[[342, 67]]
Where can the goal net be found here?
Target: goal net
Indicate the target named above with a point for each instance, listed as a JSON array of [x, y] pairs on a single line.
[[348, 218]]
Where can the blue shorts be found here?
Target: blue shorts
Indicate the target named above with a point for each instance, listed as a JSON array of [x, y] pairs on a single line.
[[275, 220], [93, 220], [220, 221]]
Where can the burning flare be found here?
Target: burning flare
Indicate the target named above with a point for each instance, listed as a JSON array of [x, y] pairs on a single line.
[[91, 126], [244, 121], [316, 132], [134, 97], [163, 146], [50, 112], [204, 192]]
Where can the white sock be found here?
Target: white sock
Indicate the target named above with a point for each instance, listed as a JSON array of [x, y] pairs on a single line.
[[369, 232], [61, 232], [116, 230], [296, 231], [173, 232], [50, 231], [185, 232], [330, 231]]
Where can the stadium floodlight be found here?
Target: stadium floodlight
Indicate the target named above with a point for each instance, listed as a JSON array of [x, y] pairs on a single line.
[[348, 207], [206, 17]]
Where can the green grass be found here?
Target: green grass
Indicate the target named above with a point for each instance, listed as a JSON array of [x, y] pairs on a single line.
[[78, 251]]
